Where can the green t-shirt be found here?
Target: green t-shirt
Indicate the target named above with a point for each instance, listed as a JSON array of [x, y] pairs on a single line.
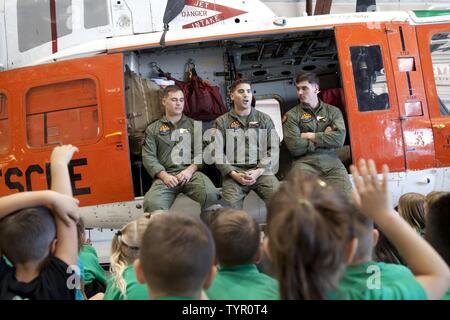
[[243, 282], [446, 296], [378, 281], [175, 298], [92, 268], [134, 290]]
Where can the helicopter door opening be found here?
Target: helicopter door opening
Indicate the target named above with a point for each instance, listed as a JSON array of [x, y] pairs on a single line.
[[270, 62]]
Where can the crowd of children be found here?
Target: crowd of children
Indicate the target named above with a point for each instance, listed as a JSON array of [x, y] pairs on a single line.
[[320, 245]]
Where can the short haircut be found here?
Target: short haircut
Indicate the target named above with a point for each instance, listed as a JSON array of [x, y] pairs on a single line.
[[237, 237], [309, 226], [169, 89], [363, 231], [307, 76], [177, 253], [438, 225], [26, 235], [236, 83], [212, 210]]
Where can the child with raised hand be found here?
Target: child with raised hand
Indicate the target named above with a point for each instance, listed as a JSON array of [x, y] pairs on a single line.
[[438, 226], [94, 275], [125, 247], [40, 241], [365, 279], [238, 248]]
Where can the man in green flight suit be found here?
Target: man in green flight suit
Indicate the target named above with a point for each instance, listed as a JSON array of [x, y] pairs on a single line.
[[313, 130], [249, 162], [160, 156]]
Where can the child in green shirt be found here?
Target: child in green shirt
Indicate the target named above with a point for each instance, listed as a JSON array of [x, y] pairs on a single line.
[[308, 232], [176, 259], [365, 279], [94, 275], [125, 248], [238, 248]]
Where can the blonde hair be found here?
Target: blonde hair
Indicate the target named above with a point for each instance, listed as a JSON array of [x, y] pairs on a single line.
[[125, 248], [411, 208]]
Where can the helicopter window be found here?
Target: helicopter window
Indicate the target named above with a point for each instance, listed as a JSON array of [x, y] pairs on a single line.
[[95, 13], [33, 22], [370, 79], [4, 125], [440, 55], [62, 113]]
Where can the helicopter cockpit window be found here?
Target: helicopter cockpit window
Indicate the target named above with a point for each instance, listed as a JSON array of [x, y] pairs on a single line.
[[62, 113], [33, 22], [370, 78], [440, 55], [4, 125]]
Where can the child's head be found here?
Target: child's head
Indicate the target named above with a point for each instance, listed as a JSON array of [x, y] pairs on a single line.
[[125, 247], [367, 236], [28, 235], [309, 231], [176, 256], [438, 225], [213, 209], [430, 197], [237, 237], [411, 208]]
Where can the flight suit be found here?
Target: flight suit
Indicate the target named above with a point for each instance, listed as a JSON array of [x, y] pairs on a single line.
[[251, 154], [157, 156], [318, 157]]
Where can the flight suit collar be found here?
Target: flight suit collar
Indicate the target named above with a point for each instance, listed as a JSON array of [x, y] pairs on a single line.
[[306, 107], [251, 116], [170, 124]]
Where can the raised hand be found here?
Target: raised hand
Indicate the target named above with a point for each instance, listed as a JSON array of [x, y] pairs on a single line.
[[371, 193], [63, 154]]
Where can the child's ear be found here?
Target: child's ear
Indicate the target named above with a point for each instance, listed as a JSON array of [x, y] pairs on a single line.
[[375, 236], [258, 254], [210, 277], [53, 247], [265, 247], [351, 250], [138, 269]]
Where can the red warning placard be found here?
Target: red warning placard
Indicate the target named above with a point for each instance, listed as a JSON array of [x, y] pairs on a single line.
[[222, 13]]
